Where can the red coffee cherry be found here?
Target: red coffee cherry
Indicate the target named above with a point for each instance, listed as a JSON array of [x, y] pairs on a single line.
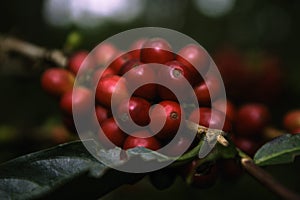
[[79, 97], [101, 73], [119, 60], [135, 48], [56, 81], [175, 74], [109, 85], [211, 118], [101, 113], [291, 120], [104, 53], [136, 140], [230, 108], [76, 60], [136, 75], [156, 50], [168, 111], [247, 145], [206, 91], [194, 57], [111, 132], [138, 109], [295, 131], [252, 119], [230, 169]]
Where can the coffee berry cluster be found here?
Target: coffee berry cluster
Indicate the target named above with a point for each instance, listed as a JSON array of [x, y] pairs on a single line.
[[113, 72]]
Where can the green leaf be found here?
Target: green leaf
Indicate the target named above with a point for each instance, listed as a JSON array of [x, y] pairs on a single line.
[[66, 171], [281, 150]]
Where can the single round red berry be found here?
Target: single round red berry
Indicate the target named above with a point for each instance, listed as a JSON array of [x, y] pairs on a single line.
[[291, 120], [207, 90], [80, 98], [230, 109], [247, 145], [138, 74], [101, 113], [76, 60], [156, 50], [168, 111], [108, 86], [104, 53], [57, 81], [111, 133], [119, 61], [101, 73], [230, 169], [135, 48], [211, 118], [176, 75], [252, 119], [138, 139], [138, 109], [194, 57]]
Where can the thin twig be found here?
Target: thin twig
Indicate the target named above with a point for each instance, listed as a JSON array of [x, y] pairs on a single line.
[[266, 179], [10, 44]]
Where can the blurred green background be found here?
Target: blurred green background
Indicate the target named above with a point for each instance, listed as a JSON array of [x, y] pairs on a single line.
[[28, 115]]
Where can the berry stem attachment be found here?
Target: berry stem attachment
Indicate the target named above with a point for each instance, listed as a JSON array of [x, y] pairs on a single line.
[[10, 44], [266, 179], [203, 130]]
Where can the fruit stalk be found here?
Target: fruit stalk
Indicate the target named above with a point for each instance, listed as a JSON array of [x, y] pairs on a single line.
[[10, 44], [267, 180]]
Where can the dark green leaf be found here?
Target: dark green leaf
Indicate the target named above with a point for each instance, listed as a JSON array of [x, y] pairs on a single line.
[[45, 174], [279, 151]]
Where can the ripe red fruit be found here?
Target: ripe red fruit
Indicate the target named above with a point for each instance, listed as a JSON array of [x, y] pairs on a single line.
[[108, 86], [206, 91], [247, 145], [230, 169], [235, 74], [57, 81], [138, 109], [170, 112], [205, 119], [101, 73], [101, 113], [111, 132], [252, 119], [76, 60], [195, 58], [174, 74], [137, 74], [118, 61], [230, 111], [135, 48], [156, 50], [291, 120], [80, 98], [104, 53], [136, 140]]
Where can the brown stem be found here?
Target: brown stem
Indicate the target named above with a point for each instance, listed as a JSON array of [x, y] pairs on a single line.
[[266, 179], [9, 44]]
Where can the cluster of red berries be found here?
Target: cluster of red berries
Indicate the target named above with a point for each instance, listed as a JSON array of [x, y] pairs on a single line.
[[114, 73], [241, 72], [150, 101]]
